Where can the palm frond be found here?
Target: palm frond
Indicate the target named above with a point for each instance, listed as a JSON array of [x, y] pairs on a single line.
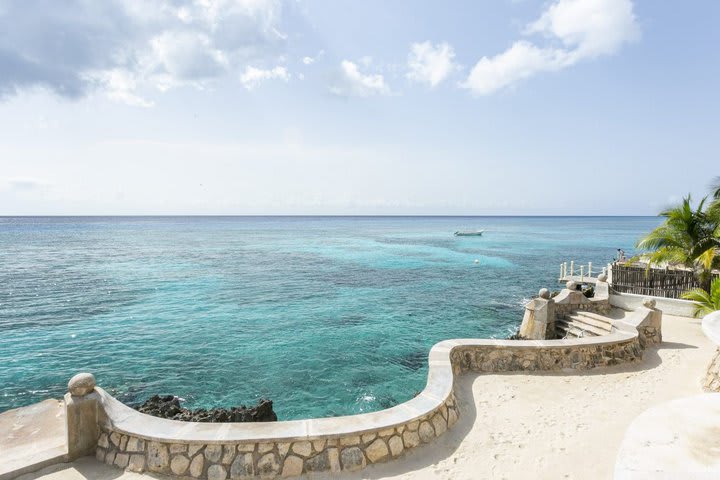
[[705, 302], [715, 188]]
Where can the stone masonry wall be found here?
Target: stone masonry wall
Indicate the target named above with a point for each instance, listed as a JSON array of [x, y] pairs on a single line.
[[509, 359], [272, 459], [595, 307], [649, 335], [712, 378], [246, 460]]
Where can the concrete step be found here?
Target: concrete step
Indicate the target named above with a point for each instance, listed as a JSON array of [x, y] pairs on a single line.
[[595, 316], [591, 325], [567, 329], [18, 462], [589, 330]]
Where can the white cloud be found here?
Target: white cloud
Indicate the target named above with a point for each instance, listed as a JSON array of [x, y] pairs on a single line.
[[591, 27], [185, 56], [253, 77], [353, 83], [366, 61], [584, 28], [119, 85], [23, 183], [520, 61], [308, 60], [159, 45], [430, 64]]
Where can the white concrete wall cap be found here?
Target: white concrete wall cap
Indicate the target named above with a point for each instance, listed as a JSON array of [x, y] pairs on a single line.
[[711, 326]]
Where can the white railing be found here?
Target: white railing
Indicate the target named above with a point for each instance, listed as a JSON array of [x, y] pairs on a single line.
[[566, 273]]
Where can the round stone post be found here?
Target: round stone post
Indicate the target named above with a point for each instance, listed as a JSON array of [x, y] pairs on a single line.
[[81, 416]]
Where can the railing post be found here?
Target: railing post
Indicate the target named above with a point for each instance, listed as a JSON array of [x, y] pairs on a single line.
[[582, 267], [564, 269], [561, 272], [572, 267], [589, 269]]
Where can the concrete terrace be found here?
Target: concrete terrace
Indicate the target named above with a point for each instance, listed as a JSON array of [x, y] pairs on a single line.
[[32, 437], [542, 425]]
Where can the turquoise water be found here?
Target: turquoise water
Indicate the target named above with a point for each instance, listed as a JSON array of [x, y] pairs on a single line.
[[323, 315]]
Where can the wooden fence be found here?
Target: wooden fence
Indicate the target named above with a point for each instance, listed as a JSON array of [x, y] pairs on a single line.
[[656, 282]]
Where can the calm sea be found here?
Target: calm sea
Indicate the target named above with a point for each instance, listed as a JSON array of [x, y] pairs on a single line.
[[323, 315]]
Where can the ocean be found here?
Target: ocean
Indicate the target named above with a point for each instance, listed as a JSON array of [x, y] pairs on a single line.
[[325, 316]]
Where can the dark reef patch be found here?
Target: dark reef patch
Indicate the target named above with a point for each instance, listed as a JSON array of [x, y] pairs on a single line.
[[168, 406]]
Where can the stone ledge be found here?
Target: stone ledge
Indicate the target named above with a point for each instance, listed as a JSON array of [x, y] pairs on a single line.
[[217, 451]]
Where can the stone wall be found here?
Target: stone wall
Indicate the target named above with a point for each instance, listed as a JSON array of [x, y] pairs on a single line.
[[541, 313], [138, 442], [601, 308], [712, 377], [711, 327], [220, 461], [581, 357], [571, 300], [539, 319]]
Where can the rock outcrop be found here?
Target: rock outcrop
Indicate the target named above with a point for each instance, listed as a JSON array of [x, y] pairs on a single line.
[[168, 406]]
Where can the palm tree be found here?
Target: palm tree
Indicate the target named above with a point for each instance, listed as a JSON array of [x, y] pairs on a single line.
[[687, 237], [715, 189], [714, 208], [705, 302]]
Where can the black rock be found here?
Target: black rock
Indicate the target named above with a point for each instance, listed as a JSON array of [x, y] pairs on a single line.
[[517, 336], [168, 406]]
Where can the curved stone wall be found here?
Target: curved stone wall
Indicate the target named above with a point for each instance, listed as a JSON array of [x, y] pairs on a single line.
[[218, 451], [217, 454]]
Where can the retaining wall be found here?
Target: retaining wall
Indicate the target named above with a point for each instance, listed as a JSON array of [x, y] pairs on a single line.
[[670, 306], [138, 442]]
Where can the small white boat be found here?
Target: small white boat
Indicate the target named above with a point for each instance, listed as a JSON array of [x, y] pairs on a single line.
[[469, 233]]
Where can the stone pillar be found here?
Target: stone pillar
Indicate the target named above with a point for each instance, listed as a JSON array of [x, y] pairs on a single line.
[[602, 288], [650, 329], [539, 319], [81, 416]]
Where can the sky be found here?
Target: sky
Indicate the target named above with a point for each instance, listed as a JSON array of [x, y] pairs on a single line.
[[270, 107]]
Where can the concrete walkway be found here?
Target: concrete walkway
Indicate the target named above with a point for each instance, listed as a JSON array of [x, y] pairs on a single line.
[[32, 437], [87, 468]]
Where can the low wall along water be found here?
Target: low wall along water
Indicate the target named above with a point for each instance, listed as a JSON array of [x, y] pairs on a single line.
[[121, 436]]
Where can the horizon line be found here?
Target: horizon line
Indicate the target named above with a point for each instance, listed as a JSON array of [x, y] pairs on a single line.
[[211, 215]]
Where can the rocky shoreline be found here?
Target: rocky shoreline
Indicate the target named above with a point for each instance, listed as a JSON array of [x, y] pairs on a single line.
[[168, 406]]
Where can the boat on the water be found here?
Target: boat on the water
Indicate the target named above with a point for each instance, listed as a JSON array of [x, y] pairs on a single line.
[[469, 233]]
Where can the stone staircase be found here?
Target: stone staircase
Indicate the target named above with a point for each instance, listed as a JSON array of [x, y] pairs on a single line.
[[581, 324]]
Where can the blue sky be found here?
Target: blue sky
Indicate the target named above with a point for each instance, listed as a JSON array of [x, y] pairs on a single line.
[[374, 107]]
